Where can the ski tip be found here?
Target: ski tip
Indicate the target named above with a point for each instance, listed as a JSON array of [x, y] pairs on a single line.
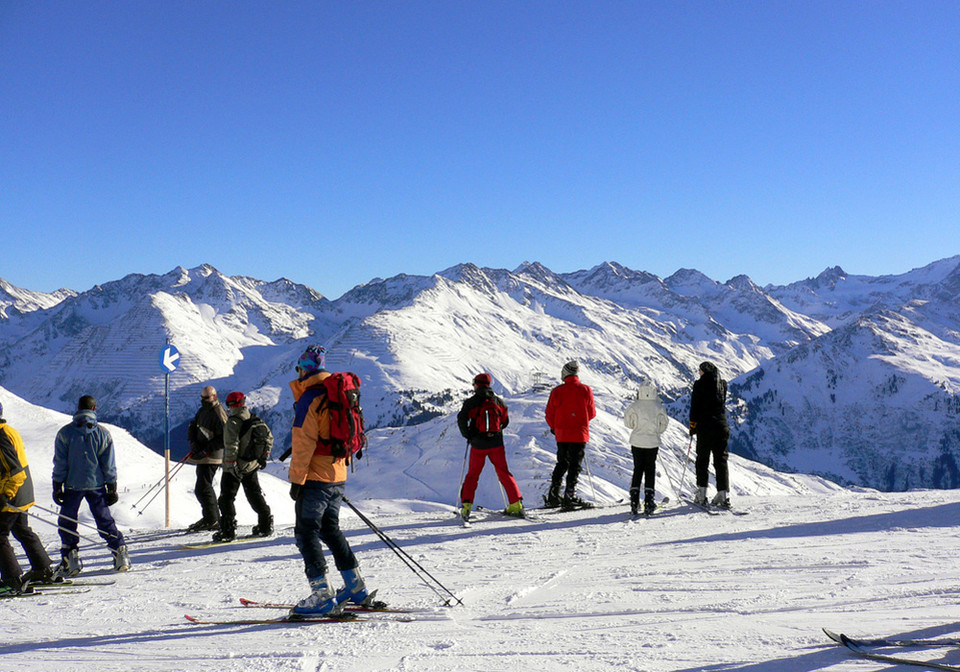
[[192, 619], [832, 635], [849, 643], [245, 602]]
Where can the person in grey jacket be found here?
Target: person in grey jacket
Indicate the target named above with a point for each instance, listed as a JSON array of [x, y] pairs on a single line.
[[648, 420], [84, 468], [247, 442]]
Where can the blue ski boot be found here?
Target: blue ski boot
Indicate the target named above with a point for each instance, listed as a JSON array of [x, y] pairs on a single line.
[[354, 589], [321, 602]]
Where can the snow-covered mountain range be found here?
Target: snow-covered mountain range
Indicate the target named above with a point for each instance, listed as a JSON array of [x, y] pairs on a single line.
[[853, 377]]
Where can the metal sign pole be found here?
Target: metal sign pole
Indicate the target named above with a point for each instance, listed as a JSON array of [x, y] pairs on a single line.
[[166, 443], [169, 360]]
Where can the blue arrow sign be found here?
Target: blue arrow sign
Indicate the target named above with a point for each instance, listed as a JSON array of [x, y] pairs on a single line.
[[169, 358]]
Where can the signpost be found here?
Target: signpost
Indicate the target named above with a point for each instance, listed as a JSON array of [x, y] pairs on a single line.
[[169, 361]]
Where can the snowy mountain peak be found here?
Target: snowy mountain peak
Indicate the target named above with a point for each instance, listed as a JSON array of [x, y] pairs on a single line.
[[14, 299], [743, 283], [829, 278], [691, 282]]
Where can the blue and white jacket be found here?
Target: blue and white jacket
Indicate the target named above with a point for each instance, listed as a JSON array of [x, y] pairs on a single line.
[[83, 456]]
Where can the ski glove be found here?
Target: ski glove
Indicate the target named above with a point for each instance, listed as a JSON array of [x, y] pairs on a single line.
[[112, 496], [58, 493], [693, 427], [262, 462], [4, 500], [295, 489]]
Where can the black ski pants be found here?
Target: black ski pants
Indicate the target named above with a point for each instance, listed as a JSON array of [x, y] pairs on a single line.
[[15, 523], [229, 486], [713, 441], [644, 468], [569, 461], [205, 493]]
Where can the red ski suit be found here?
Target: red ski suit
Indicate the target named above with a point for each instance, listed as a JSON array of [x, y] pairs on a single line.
[[570, 410]]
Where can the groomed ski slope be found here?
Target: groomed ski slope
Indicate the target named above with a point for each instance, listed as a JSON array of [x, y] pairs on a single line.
[[581, 591]]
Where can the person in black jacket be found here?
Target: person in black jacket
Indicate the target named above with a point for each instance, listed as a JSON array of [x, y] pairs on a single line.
[[205, 435], [708, 421], [482, 420]]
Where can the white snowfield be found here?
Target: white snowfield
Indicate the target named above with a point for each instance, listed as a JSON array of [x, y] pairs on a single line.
[[586, 590]]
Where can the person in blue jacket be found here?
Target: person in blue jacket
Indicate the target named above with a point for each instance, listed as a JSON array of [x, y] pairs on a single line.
[[84, 468]]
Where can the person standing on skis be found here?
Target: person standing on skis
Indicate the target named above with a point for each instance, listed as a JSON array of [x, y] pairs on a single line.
[[570, 409], [247, 441], [85, 469], [481, 421], [205, 434], [708, 421], [648, 420], [317, 479], [16, 496]]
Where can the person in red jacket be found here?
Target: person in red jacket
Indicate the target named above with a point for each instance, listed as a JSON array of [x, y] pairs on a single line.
[[569, 412]]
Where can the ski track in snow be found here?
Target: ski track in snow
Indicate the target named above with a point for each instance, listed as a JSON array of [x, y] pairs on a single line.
[[579, 591]]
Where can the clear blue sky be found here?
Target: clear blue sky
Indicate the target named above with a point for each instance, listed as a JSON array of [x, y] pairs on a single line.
[[334, 142]]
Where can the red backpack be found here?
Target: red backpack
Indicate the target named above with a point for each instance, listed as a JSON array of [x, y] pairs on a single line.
[[488, 417], [346, 416]]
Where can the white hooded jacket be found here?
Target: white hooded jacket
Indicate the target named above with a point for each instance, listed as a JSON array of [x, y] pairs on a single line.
[[646, 417]]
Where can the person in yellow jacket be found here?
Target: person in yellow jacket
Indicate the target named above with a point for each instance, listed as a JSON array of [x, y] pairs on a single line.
[[317, 479], [16, 496]]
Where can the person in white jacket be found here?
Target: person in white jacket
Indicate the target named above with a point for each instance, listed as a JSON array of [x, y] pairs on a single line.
[[648, 420]]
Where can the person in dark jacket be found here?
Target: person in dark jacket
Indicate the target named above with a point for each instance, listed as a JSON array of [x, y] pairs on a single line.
[[205, 434], [570, 409], [16, 496], [708, 421], [243, 432], [85, 469], [481, 420]]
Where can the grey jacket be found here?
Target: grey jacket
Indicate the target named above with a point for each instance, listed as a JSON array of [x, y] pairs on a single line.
[[83, 456]]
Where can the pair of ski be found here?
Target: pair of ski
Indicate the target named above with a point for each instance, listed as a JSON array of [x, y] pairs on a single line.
[[65, 587], [641, 514], [713, 510], [235, 540], [352, 613], [859, 647]]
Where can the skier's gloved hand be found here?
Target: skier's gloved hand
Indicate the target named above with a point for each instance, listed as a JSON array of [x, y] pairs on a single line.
[[295, 489], [4, 500], [262, 462], [693, 428], [58, 493], [112, 496]]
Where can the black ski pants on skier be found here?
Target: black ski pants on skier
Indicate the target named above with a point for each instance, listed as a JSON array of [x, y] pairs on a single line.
[[644, 468], [15, 523], [569, 461], [712, 441], [229, 486], [205, 492]]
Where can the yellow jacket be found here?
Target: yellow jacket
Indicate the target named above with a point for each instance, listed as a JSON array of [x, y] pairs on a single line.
[[311, 459], [15, 481]]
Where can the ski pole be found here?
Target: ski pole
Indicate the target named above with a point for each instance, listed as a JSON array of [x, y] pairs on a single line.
[[406, 558], [586, 465], [176, 468], [683, 476], [676, 493], [157, 493], [463, 470], [72, 520], [56, 525]]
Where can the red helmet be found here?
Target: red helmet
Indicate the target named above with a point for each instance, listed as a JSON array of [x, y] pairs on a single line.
[[236, 399]]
